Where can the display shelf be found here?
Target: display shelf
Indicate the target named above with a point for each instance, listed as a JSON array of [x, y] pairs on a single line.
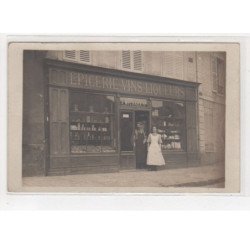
[[91, 132], [170, 130], [91, 113]]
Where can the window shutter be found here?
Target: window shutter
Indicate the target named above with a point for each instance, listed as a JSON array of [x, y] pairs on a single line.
[[214, 73], [70, 54], [221, 76], [126, 59], [137, 56], [84, 56]]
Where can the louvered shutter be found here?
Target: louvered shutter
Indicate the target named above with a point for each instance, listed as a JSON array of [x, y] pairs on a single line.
[[126, 59], [70, 54], [221, 76], [214, 73], [137, 56], [84, 56]]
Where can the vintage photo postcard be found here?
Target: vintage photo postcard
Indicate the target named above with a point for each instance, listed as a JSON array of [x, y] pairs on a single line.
[[124, 117]]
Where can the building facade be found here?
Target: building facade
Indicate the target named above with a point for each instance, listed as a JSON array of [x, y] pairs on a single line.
[[80, 108]]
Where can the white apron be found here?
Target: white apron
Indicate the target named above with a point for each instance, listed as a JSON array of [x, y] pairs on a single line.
[[155, 156]]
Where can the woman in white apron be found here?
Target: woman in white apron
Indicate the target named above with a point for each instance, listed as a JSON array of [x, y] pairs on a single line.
[[154, 157]]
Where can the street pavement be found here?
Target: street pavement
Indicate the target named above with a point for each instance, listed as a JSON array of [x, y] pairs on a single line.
[[203, 176]]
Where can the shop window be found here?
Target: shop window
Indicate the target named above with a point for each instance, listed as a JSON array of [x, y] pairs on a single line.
[[91, 123], [169, 118], [80, 56], [218, 75], [132, 60]]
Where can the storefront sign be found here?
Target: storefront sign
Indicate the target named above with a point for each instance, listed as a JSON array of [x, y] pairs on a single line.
[[115, 84]]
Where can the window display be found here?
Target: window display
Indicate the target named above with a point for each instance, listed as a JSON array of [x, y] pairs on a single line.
[[169, 118], [91, 123]]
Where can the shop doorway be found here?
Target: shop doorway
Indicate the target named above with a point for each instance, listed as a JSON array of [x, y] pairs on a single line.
[[141, 134], [143, 118], [126, 131], [127, 156], [128, 123]]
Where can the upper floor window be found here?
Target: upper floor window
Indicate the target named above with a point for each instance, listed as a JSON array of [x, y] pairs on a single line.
[[218, 75], [132, 60], [81, 56]]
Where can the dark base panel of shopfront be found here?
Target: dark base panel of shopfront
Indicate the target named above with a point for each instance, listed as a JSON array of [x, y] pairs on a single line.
[[110, 163], [75, 164]]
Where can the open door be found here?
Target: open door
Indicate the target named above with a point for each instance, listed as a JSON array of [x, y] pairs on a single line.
[[128, 121], [127, 157], [126, 131]]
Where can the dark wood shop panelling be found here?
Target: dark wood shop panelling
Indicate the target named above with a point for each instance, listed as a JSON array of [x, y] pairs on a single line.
[[175, 159], [127, 160], [71, 164], [59, 121]]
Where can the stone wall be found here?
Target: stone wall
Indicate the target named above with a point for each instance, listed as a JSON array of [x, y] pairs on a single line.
[[33, 115], [211, 113]]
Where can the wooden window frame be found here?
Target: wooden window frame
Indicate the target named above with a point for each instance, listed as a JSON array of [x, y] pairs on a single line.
[[184, 149], [215, 59], [113, 115]]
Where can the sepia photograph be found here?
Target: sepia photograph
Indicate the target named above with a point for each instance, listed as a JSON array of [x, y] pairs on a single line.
[[124, 118]]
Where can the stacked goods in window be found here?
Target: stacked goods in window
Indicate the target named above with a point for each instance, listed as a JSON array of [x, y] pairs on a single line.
[[169, 129], [90, 132], [91, 123]]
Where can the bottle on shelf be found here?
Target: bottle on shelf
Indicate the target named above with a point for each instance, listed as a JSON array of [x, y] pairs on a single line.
[[91, 109], [106, 119], [105, 110], [76, 107]]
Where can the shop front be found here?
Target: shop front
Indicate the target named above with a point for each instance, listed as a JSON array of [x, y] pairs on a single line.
[[92, 112]]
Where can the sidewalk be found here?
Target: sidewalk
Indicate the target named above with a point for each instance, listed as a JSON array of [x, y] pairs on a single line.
[[204, 176]]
